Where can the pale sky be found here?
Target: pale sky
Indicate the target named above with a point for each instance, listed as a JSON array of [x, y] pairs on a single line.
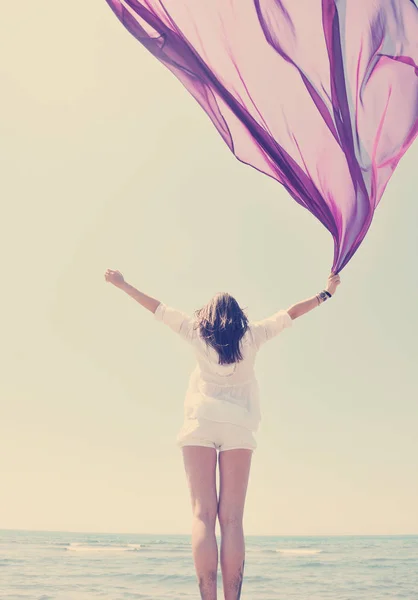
[[107, 162]]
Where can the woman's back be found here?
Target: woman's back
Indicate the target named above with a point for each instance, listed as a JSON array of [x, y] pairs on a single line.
[[224, 392]]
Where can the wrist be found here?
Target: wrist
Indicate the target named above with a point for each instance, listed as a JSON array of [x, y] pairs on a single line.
[[323, 296]]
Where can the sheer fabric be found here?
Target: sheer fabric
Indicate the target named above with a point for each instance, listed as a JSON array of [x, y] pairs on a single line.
[[321, 95]]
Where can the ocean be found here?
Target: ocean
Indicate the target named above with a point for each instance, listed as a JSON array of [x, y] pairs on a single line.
[[84, 566]]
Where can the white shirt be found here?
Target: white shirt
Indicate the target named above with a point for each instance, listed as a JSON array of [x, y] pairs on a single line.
[[224, 393]]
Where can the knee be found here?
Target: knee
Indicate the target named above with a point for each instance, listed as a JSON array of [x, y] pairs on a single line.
[[229, 519], [205, 515]]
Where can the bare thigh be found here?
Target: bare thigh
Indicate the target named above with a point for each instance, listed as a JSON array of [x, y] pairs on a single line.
[[200, 467], [234, 471]]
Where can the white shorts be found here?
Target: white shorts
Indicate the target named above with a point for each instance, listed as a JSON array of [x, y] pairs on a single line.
[[221, 436]]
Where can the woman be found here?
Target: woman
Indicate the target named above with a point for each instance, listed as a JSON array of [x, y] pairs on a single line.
[[222, 412]]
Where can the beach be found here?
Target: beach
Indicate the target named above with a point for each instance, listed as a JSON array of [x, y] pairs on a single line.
[[84, 566]]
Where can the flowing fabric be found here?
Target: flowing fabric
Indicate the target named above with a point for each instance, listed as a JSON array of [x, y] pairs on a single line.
[[321, 95]]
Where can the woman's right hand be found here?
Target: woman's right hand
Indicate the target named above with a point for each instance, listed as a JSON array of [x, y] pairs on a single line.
[[114, 277], [333, 282]]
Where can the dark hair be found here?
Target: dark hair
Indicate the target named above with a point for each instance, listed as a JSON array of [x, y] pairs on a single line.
[[222, 324]]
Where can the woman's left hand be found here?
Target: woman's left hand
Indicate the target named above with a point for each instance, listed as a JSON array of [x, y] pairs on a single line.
[[333, 282], [114, 277]]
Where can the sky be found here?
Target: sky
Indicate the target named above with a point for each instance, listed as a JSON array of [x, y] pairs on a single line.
[[107, 162]]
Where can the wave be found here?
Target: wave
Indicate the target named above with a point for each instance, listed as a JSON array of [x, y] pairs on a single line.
[[135, 547], [316, 563], [58, 544], [129, 547], [285, 551], [297, 551], [175, 543], [80, 547]]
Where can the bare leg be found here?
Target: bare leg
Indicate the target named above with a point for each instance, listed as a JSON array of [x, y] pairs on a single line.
[[234, 466], [200, 466]]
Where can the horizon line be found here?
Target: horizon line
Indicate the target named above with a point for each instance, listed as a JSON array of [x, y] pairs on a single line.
[[271, 535]]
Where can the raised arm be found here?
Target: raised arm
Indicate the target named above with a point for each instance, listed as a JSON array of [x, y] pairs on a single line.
[[116, 278], [176, 320], [301, 308]]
